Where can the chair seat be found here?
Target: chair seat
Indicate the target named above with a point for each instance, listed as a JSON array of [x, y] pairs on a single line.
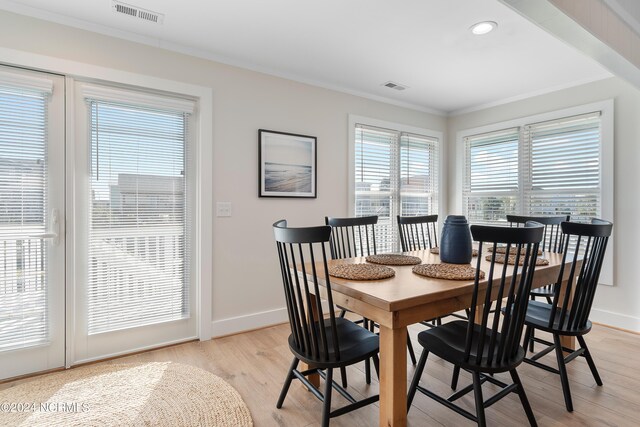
[[356, 344], [539, 313], [448, 342]]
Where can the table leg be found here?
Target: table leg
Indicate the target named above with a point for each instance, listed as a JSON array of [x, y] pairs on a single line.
[[478, 316], [393, 377], [313, 378], [567, 341]]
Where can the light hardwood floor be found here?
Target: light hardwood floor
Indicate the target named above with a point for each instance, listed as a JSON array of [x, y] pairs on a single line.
[[255, 363]]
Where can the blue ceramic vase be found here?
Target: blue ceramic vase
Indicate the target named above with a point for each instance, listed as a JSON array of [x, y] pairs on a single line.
[[455, 243]]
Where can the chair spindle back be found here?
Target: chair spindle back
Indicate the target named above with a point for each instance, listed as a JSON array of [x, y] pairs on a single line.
[[522, 244], [352, 237], [297, 246], [580, 277], [552, 239], [418, 232]]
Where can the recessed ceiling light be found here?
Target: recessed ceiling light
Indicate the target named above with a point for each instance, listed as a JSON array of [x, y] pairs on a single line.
[[483, 27]]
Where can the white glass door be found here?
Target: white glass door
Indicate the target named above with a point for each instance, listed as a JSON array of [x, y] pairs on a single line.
[[32, 243], [133, 222]]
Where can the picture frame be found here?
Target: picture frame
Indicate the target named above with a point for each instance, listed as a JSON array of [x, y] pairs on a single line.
[[287, 165]]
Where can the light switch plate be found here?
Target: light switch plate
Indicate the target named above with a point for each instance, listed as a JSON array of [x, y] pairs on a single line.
[[223, 209]]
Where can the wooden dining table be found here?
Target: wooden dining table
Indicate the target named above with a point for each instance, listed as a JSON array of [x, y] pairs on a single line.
[[403, 300]]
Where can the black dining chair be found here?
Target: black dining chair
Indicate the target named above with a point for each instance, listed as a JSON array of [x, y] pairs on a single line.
[[552, 241], [419, 233], [584, 250], [493, 345], [353, 237], [323, 341]]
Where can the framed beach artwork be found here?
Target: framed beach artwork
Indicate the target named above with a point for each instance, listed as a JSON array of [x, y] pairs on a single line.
[[287, 164]]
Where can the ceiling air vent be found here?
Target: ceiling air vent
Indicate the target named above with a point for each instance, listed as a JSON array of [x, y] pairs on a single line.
[[393, 85], [138, 12]]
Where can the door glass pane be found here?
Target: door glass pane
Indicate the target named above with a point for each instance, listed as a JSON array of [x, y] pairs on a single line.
[[137, 236], [23, 203]]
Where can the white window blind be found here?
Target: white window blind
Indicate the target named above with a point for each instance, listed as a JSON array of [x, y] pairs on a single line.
[[396, 173], [546, 168], [564, 173], [138, 238], [491, 185], [23, 203], [418, 175], [376, 179]]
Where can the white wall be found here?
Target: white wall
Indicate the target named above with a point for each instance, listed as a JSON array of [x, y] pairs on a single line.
[[618, 305], [246, 288]]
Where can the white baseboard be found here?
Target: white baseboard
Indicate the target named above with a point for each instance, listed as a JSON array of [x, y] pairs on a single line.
[[233, 325], [617, 320]]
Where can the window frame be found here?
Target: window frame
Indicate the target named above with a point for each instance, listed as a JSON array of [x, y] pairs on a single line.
[[606, 108], [355, 120]]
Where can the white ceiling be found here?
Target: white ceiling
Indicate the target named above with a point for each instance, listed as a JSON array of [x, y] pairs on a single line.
[[354, 45]]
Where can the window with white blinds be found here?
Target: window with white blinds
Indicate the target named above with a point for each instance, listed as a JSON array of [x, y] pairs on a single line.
[[418, 175], [491, 188], [396, 173], [23, 203], [564, 172], [139, 224], [545, 168]]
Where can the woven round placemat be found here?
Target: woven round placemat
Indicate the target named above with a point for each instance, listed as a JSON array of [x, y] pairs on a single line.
[[361, 271], [447, 271], [503, 250], [512, 260], [436, 250], [142, 394], [393, 259]]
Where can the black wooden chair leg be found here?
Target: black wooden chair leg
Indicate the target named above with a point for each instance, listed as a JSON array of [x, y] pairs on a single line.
[[343, 376], [367, 362], [376, 365], [454, 377], [528, 342], [343, 312], [562, 367], [326, 404], [523, 398], [477, 391], [287, 383], [592, 365], [412, 355], [416, 378], [530, 334], [367, 371]]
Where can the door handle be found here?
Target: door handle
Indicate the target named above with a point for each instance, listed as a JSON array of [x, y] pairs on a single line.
[[54, 233]]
